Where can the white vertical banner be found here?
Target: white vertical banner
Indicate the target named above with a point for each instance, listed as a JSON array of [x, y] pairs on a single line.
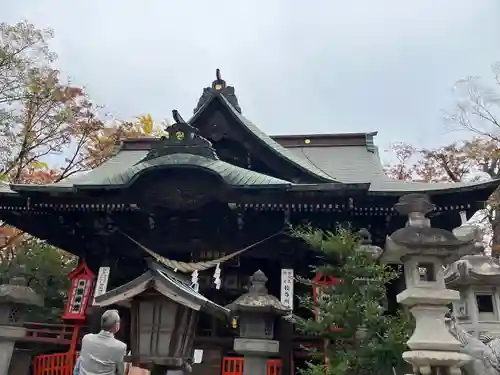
[[287, 280], [101, 284]]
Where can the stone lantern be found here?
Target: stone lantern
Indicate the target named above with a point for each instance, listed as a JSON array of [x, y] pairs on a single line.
[[366, 244], [14, 297], [164, 314], [257, 311], [477, 278], [424, 251]]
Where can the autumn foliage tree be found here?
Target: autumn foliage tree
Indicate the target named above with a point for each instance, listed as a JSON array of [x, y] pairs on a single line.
[[41, 115], [458, 161], [476, 117], [49, 131], [104, 141]]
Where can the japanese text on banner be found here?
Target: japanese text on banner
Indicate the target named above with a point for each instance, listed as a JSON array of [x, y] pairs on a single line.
[[287, 280]]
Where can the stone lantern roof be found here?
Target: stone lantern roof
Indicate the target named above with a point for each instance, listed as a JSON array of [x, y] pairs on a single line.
[[17, 292], [477, 269], [258, 300], [419, 238]]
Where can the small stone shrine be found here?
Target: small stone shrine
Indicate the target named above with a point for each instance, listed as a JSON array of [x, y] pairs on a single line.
[[477, 278], [14, 297], [257, 312], [164, 314], [424, 251]]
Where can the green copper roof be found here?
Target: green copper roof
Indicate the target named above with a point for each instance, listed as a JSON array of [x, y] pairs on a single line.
[[122, 169], [231, 174]]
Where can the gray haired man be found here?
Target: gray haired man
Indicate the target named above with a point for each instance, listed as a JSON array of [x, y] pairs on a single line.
[[101, 353]]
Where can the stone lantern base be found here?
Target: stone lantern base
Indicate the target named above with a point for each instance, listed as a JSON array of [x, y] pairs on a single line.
[[256, 353], [256, 346], [426, 362]]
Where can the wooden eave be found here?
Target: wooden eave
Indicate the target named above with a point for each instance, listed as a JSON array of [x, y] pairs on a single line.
[[321, 197]]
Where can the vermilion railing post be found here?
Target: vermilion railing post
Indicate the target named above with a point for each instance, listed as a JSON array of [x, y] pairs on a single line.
[[71, 359], [54, 364], [274, 367], [234, 366]]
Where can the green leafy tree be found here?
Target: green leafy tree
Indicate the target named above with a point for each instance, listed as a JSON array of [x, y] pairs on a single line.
[[370, 341], [44, 268]]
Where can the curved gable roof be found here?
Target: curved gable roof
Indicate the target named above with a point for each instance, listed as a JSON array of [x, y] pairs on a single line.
[[303, 164]]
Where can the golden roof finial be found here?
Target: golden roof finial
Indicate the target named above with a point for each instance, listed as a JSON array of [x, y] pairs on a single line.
[[219, 84]]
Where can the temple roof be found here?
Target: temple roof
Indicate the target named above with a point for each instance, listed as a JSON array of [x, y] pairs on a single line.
[[124, 168], [262, 137], [326, 162], [353, 158], [181, 147], [227, 97], [351, 164], [345, 158]]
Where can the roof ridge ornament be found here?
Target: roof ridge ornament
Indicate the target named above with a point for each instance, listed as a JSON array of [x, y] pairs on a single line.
[[177, 117], [182, 138], [219, 84], [219, 87]]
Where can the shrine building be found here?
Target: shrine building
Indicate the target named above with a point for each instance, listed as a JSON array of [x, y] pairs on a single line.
[[212, 199]]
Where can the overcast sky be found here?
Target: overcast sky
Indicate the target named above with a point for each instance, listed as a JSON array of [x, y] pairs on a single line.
[[297, 66]]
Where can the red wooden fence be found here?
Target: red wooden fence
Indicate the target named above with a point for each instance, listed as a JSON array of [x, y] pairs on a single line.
[[54, 364], [234, 366], [274, 367], [62, 364], [50, 333]]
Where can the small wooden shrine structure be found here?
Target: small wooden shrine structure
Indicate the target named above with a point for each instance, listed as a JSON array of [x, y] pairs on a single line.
[[164, 313]]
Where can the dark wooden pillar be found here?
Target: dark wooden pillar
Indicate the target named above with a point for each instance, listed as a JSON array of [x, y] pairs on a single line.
[[211, 364], [285, 337]]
